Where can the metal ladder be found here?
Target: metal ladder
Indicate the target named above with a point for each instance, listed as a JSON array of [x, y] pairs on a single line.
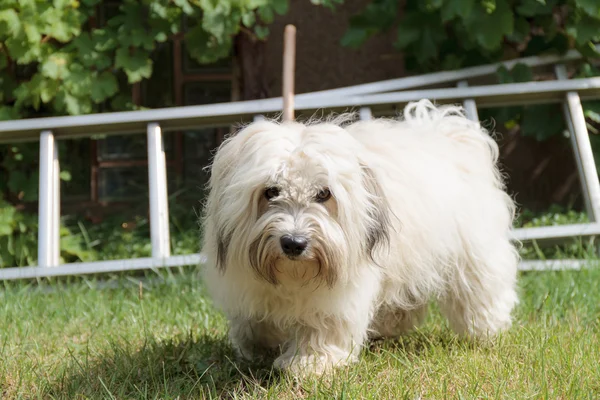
[[365, 96]]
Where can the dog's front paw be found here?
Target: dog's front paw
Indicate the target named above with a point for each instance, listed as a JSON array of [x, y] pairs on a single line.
[[303, 364], [310, 364]]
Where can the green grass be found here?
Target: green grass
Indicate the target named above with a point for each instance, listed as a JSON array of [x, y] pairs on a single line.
[[80, 338]]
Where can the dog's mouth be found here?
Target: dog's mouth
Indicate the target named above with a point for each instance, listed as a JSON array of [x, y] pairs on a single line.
[[300, 262], [299, 258], [301, 269]]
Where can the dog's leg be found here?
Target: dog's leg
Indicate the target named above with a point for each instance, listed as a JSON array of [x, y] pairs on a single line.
[[252, 340], [391, 322], [318, 350], [481, 297]]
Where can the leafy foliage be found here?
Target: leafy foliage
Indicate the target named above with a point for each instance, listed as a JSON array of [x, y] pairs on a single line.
[[72, 63], [449, 34], [116, 237], [18, 241], [62, 58]]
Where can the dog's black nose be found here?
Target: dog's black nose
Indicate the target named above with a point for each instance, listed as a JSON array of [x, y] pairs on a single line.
[[293, 245]]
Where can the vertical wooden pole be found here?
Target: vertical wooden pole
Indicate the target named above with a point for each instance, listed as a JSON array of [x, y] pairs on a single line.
[[289, 61]]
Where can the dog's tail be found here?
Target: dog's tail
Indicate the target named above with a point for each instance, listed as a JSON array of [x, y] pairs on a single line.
[[451, 121], [479, 148]]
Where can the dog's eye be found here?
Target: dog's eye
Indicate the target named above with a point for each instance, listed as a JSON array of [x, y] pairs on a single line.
[[271, 193], [323, 195]]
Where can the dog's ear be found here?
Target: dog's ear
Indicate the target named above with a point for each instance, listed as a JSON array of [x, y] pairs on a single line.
[[378, 232]]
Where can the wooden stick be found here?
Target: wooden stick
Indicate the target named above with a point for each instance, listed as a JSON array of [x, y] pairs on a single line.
[[289, 60]]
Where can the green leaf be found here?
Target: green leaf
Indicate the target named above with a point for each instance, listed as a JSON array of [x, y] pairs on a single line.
[[7, 218], [548, 24], [456, 8], [65, 176], [32, 32], [354, 37], [66, 102], [504, 75], [560, 43], [206, 48], [122, 101], [452, 62], [104, 40], [588, 50], [522, 73], [262, 32], [591, 7], [430, 5], [592, 111], [423, 32], [536, 45], [8, 113], [56, 66], [3, 61], [10, 22], [105, 86], [280, 6], [378, 16], [21, 51], [79, 81], [48, 90], [584, 30], [184, 5], [21, 183], [136, 64], [61, 25], [542, 121], [489, 6], [327, 3], [521, 31], [249, 19], [410, 29], [533, 8], [159, 10], [89, 52], [266, 14], [489, 29], [429, 42], [587, 70]]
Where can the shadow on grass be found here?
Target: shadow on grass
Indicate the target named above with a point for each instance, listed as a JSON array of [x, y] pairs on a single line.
[[181, 368], [200, 367]]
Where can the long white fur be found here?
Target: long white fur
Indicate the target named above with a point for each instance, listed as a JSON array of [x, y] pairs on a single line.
[[428, 182]]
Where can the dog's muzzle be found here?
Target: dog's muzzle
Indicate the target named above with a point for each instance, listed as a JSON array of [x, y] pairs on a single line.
[[293, 246]]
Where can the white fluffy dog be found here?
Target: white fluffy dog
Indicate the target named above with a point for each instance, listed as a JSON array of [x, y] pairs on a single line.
[[322, 235]]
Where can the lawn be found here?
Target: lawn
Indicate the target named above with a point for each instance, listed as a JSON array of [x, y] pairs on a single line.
[[81, 338]]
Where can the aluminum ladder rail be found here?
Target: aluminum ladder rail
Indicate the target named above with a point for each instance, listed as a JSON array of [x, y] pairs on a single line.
[[49, 195]]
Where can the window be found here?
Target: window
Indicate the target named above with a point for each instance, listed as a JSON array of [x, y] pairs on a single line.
[[119, 167]]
